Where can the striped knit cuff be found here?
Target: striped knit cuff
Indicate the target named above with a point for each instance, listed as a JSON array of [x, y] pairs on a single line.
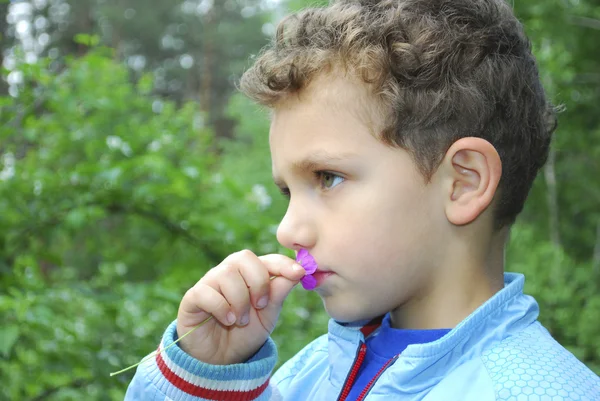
[[184, 378]]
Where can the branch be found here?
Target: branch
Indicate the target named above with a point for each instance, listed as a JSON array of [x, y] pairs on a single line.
[[23, 111], [163, 221], [587, 78], [584, 21], [173, 228]]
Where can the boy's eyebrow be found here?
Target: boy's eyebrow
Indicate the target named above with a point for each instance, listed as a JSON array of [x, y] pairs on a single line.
[[314, 161]]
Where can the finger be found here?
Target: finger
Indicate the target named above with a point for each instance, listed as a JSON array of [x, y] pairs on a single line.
[[281, 265], [234, 289], [256, 275], [200, 301]]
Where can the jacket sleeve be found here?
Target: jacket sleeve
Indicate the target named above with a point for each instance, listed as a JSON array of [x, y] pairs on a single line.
[[173, 375]]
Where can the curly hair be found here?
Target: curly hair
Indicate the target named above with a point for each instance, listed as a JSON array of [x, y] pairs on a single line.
[[443, 69]]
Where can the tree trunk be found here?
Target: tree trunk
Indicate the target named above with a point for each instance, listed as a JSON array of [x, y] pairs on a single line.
[[206, 78], [552, 198], [596, 257], [5, 43]]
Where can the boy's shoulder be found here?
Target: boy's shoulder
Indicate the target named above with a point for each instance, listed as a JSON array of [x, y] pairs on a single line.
[[532, 365]]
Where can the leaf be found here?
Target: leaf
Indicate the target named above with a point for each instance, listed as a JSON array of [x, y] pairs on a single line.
[[8, 338], [145, 84], [86, 39]]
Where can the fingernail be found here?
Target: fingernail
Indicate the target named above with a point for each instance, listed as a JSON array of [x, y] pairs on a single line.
[[297, 267], [262, 302], [245, 319], [231, 318]]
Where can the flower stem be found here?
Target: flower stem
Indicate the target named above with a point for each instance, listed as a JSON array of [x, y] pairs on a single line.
[[153, 354]]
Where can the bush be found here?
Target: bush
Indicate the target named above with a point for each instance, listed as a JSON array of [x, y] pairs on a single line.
[[113, 204]]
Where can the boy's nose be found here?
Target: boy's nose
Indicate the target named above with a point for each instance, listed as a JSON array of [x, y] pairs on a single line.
[[296, 229]]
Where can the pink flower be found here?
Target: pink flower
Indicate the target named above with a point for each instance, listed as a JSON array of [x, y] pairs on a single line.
[[305, 259]]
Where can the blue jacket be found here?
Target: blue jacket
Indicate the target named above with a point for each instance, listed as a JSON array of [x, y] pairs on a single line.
[[499, 352]]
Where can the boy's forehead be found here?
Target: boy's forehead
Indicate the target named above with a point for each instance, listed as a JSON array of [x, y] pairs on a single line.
[[329, 97], [315, 115]]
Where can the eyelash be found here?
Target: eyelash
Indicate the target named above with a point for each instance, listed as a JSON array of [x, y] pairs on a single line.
[[318, 175]]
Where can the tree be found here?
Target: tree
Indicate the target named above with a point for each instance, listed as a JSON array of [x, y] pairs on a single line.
[[194, 49]]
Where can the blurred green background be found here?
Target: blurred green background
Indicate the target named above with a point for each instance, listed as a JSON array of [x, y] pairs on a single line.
[[129, 166]]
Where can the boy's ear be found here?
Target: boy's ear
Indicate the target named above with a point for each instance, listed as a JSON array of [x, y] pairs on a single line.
[[472, 171]]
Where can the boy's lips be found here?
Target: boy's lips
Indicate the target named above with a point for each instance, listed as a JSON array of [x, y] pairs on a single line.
[[322, 275]]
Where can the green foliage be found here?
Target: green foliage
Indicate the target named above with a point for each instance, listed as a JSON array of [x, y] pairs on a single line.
[[112, 206], [97, 182], [70, 332], [85, 39]]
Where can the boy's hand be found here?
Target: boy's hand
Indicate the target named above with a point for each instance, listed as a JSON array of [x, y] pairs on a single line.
[[245, 304]]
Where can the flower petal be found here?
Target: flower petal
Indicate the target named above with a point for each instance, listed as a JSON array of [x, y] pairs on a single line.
[[306, 261], [309, 282]]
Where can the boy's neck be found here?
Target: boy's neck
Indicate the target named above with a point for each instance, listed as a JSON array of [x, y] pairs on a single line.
[[466, 280]]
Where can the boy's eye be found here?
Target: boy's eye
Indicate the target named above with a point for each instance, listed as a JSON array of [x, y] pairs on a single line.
[[326, 180], [329, 180]]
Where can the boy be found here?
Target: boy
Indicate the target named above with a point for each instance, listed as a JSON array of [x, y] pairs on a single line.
[[406, 134]]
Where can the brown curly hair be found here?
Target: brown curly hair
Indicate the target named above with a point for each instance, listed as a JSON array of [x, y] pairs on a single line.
[[445, 69]]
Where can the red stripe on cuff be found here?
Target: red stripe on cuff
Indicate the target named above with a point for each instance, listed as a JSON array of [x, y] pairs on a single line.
[[197, 391]]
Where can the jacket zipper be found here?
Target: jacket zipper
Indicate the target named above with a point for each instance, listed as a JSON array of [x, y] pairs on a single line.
[[367, 388], [358, 360]]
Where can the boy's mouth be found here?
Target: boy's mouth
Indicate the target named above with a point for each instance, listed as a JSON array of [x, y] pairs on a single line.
[[321, 275]]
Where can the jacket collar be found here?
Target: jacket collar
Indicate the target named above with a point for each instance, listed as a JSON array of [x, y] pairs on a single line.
[[506, 312]]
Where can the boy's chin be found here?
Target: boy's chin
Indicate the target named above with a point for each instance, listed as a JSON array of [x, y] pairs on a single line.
[[350, 314]]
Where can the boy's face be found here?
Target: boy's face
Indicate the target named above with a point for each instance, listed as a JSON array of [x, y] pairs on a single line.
[[358, 206]]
